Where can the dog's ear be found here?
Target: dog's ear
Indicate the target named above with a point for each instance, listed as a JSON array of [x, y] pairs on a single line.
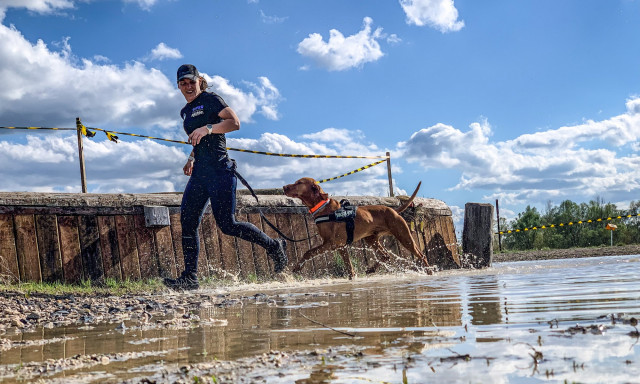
[[318, 191]]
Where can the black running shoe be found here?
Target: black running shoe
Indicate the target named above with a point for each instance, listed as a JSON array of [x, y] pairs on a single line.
[[186, 281], [279, 256]]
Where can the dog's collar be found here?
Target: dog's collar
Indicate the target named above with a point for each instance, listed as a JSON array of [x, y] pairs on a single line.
[[319, 206]]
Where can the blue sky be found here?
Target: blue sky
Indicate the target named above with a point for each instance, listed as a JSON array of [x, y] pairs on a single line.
[[528, 102]]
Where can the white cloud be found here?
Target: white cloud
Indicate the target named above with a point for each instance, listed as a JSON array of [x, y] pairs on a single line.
[[163, 52], [39, 6], [571, 162], [263, 98], [340, 53], [439, 14], [102, 94], [144, 4], [272, 19], [52, 6]]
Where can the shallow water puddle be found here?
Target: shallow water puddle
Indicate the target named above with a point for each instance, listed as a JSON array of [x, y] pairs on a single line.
[[553, 320]]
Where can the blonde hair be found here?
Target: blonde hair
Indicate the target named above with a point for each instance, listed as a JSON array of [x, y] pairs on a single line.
[[203, 83]]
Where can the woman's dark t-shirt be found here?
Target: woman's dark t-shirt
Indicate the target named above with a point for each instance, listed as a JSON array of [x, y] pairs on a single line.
[[211, 152]]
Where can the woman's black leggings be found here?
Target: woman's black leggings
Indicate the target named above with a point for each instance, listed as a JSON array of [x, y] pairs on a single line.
[[220, 188]]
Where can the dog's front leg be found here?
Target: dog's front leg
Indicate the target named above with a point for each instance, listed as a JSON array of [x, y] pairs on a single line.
[[310, 254], [347, 262]]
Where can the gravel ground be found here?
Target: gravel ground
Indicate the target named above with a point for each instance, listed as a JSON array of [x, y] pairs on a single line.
[[633, 249]]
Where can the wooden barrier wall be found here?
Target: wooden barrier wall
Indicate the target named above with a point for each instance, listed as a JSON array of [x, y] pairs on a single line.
[[75, 237]]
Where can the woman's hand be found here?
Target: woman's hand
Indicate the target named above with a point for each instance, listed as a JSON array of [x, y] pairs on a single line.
[[188, 168], [197, 135]]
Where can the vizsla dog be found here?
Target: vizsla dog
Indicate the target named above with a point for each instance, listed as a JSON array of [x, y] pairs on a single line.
[[371, 222]]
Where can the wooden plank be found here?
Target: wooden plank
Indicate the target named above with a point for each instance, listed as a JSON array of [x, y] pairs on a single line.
[[69, 210], [49, 248], [245, 253], [261, 260], [211, 244], [428, 235], [90, 249], [284, 225], [417, 236], [129, 263], [9, 270], [70, 249], [203, 262], [109, 246], [299, 231], [164, 252], [146, 249], [453, 242], [229, 253], [272, 234], [321, 264], [176, 237]]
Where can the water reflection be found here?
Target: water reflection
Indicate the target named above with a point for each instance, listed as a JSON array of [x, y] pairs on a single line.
[[448, 327]]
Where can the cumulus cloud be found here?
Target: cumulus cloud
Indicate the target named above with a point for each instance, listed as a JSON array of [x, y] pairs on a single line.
[[163, 52], [340, 53], [439, 14], [101, 94], [262, 98], [38, 6], [571, 162]]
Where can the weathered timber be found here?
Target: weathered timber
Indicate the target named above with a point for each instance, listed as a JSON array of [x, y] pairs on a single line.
[[259, 254], [90, 248], [245, 253], [70, 248], [146, 248], [49, 248], [477, 233], [211, 244], [9, 270], [72, 237], [109, 246], [129, 259]]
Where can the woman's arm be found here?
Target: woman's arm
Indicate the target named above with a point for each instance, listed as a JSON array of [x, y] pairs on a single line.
[[188, 167], [229, 123]]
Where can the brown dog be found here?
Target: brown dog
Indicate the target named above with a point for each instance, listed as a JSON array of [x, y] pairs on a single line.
[[371, 222]]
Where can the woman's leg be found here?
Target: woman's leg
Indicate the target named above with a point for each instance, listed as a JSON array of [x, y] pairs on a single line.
[[222, 193], [194, 200]]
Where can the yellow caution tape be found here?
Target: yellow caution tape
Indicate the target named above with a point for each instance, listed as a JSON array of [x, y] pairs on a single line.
[[563, 224], [87, 131], [352, 172]]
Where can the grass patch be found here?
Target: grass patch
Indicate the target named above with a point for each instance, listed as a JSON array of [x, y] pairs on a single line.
[[88, 287]]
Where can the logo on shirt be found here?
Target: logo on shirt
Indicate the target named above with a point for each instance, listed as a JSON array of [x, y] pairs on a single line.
[[197, 111]]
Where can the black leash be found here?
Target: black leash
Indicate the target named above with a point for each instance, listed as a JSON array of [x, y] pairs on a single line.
[[246, 184]]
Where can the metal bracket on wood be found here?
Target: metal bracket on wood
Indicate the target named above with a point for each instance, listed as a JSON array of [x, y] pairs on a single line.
[[156, 216]]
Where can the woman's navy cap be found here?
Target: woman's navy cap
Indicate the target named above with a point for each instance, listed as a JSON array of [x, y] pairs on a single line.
[[188, 71]]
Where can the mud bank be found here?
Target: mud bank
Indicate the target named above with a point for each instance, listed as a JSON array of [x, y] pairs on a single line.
[[549, 254]]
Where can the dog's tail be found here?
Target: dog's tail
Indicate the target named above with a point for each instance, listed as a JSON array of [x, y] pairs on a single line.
[[408, 202]]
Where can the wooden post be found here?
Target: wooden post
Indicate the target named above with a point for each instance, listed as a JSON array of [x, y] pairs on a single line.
[[498, 217], [389, 174], [83, 178], [477, 234]]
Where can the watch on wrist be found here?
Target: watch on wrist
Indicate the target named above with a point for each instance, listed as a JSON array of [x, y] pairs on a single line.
[[210, 128]]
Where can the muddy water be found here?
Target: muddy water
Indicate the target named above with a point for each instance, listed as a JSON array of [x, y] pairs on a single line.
[[524, 322]]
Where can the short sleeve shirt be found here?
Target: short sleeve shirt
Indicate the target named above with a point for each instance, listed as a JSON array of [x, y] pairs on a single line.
[[202, 111]]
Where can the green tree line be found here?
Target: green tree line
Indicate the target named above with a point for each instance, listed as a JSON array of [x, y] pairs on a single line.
[[576, 235]]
